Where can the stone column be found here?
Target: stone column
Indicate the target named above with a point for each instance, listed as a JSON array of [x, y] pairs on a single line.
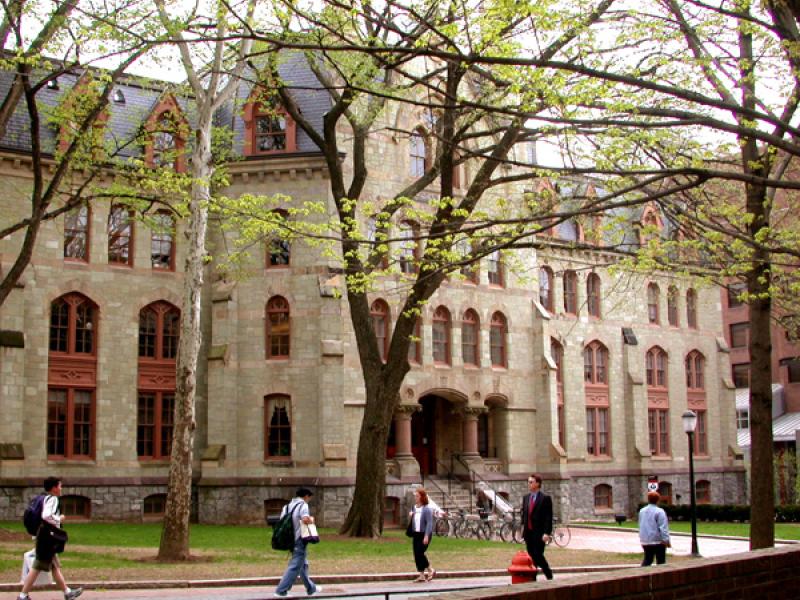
[[469, 433], [402, 429]]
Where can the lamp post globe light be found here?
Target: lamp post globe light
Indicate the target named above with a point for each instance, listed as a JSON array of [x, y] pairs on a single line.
[[689, 425]]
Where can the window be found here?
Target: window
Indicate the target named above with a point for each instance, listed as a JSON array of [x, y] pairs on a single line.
[[701, 433], [557, 354], [741, 375], [154, 505], [702, 492], [415, 345], [546, 288], [658, 427], [691, 309], [498, 332], [470, 338], [470, 271], [409, 247], [391, 510], [653, 298], [597, 431], [70, 423], [672, 306], [495, 269], [595, 364], [602, 497], [120, 236], [743, 419], [277, 427], [656, 366], [73, 320], [441, 336], [77, 507], [735, 290], [593, 294], [159, 331], [379, 313], [278, 249], [166, 131], [695, 364], [665, 491], [76, 234], [417, 154], [793, 371], [570, 292], [278, 328], [154, 424], [164, 142], [570, 231], [162, 247], [273, 507], [739, 334], [270, 131]]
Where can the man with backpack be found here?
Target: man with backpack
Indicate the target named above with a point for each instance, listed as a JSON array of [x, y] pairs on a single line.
[[50, 541], [298, 564]]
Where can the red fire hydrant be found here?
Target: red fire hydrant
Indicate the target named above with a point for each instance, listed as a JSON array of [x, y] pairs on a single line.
[[522, 569]]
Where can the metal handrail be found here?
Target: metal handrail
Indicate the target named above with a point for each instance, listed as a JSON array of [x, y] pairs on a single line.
[[472, 475], [387, 594]]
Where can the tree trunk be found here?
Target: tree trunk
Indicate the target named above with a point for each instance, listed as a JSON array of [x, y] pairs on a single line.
[[175, 534], [762, 487]]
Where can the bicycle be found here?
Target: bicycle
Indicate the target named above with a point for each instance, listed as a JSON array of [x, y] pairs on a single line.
[[442, 525], [561, 534], [511, 530]]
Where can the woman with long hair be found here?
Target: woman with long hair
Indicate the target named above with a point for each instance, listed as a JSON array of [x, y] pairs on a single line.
[[421, 528]]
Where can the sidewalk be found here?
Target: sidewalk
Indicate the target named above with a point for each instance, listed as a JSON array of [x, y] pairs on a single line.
[[398, 584]]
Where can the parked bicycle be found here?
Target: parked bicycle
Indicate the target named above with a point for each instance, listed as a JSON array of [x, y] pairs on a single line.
[[561, 533], [511, 530]]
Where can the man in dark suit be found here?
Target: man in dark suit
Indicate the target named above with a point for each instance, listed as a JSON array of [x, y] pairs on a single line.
[[537, 523]]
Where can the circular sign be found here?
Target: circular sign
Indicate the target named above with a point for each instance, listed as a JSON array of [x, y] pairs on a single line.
[[652, 486]]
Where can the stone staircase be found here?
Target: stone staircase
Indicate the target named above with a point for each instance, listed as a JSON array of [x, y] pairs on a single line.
[[458, 498]]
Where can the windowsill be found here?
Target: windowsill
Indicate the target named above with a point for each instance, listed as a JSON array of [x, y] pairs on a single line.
[[496, 286], [593, 458], [441, 365], [604, 511], [76, 262], [278, 462], [153, 462], [278, 359], [163, 271], [471, 367], [71, 461], [660, 457], [118, 265], [277, 268], [499, 368]]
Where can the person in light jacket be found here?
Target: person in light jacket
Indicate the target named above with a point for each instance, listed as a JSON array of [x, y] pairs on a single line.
[[653, 531], [421, 532], [46, 555]]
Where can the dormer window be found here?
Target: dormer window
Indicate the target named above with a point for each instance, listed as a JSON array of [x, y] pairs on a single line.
[[164, 142], [269, 129], [165, 136]]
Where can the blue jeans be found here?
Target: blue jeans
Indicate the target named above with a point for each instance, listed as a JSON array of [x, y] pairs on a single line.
[[298, 565]]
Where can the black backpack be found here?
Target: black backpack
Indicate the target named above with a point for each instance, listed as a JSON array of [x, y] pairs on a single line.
[[283, 531], [32, 517]]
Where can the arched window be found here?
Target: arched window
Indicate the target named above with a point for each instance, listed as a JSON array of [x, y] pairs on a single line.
[[159, 330], [570, 292], [162, 246], [159, 333], [76, 234], [593, 291], [495, 269], [672, 306], [546, 288], [598, 424], [379, 313], [278, 328], [691, 308], [277, 427], [73, 324], [409, 247], [695, 364], [657, 401], [470, 271], [72, 377], [595, 364], [557, 354], [154, 506], [470, 338], [665, 491], [417, 154], [278, 247], [415, 344], [603, 499], [703, 491], [498, 334], [653, 300], [120, 235], [441, 336]]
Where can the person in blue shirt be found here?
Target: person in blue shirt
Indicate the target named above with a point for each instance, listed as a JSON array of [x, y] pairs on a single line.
[[653, 531]]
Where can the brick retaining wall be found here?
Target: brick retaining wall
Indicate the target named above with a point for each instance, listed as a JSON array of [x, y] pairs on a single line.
[[772, 574]]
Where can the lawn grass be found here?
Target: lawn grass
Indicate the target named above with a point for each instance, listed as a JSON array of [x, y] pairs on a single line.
[[115, 551], [783, 531]]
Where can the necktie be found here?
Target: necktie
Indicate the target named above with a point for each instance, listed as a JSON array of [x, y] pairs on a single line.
[[531, 504]]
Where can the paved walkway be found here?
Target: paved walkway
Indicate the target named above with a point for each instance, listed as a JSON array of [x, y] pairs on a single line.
[[400, 587]]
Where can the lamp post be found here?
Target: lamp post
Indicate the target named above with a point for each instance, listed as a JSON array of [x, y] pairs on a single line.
[[689, 425]]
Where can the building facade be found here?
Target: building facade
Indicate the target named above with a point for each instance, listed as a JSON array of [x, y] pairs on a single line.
[[557, 365]]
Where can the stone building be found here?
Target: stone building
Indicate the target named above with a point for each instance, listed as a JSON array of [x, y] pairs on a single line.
[[557, 366]]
